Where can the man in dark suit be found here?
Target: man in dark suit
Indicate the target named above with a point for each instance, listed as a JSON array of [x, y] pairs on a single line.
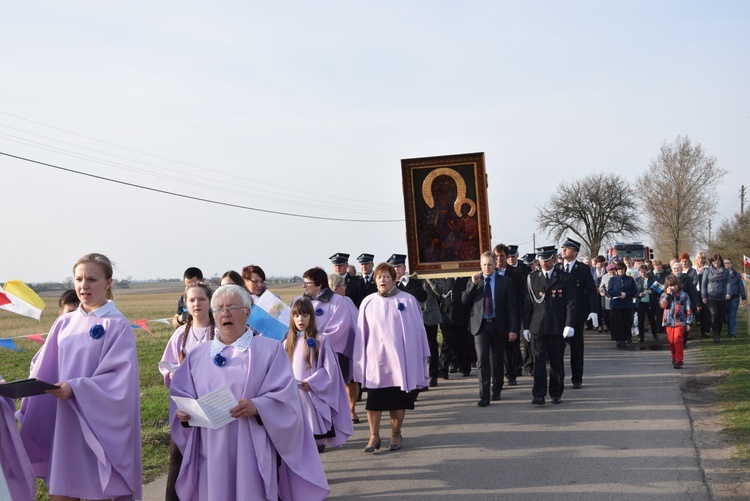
[[512, 348], [493, 321], [457, 341], [587, 302], [365, 266], [355, 287], [549, 314], [514, 261]]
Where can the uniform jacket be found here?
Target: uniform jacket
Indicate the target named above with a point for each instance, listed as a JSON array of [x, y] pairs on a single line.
[[582, 281], [355, 289], [549, 307]]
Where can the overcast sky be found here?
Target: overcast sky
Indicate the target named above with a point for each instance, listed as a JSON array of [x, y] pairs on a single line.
[[309, 107]]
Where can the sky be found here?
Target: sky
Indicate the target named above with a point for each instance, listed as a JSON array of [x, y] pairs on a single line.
[[307, 108]]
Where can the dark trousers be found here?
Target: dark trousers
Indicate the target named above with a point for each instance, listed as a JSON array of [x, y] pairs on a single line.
[[576, 353], [704, 317], [432, 331], [718, 311], [455, 348], [513, 359], [643, 313], [175, 461], [490, 347], [548, 349], [527, 359], [622, 322]]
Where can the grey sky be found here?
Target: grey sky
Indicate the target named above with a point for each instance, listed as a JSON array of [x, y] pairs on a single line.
[[308, 107]]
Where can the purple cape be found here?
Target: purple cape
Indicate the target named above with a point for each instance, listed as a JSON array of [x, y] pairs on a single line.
[[88, 446], [391, 345], [14, 463], [326, 405], [238, 461]]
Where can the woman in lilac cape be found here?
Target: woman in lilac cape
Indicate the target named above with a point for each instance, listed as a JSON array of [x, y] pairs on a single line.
[[390, 354], [84, 439], [17, 477], [239, 460], [321, 387]]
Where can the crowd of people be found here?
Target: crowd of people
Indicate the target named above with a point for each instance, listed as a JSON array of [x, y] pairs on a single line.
[[375, 332]]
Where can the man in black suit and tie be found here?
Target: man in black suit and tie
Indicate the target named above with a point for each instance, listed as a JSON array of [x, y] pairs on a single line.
[[587, 305], [493, 321], [365, 266], [549, 314], [355, 287]]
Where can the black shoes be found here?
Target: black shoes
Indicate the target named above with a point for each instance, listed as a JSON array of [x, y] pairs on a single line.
[[321, 449], [677, 366], [442, 375], [556, 400], [538, 401], [396, 447], [577, 386], [466, 372], [513, 382], [433, 381], [496, 397], [483, 402], [375, 446]]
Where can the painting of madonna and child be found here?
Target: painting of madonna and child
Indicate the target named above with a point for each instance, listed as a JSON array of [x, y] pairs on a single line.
[[447, 220]]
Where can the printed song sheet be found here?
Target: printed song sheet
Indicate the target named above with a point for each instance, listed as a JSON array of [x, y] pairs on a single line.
[[209, 411]]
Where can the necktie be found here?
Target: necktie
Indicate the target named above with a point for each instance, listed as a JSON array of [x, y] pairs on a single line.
[[567, 267], [487, 298]]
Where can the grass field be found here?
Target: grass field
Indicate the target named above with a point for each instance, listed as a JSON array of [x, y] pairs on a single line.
[[731, 359]]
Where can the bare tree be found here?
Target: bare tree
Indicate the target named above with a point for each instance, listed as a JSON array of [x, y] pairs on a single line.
[[733, 238], [595, 208], [678, 192]]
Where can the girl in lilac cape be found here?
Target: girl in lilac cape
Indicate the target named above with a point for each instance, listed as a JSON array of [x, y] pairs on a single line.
[[239, 460], [321, 387], [390, 354], [335, 319], [84, 438], [16, 475]]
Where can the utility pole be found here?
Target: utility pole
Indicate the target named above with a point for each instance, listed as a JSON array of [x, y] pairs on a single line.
[[742, 199], [533, 240]]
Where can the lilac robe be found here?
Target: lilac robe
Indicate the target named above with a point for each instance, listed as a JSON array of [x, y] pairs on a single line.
[[14, 463], [326, 405], [336, 318], [196, 336], [238, 461], [391, 346], [88, 446]]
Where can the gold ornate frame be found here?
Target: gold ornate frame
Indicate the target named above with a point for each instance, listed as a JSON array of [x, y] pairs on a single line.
[[447, 219]]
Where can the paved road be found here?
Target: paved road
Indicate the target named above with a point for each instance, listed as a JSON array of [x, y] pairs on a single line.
[[630, 433]]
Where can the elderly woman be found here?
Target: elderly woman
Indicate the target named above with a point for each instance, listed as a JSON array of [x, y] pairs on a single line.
[[621, 289], [606, 307], [255, 280], [268, 451], [715, 293], [337, 321], [700, 310], [390, 355]]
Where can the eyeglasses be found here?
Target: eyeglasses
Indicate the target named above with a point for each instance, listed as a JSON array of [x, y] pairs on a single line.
[[305, 284], [230, 309]]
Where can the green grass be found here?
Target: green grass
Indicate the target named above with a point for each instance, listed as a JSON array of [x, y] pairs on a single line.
[[732, 360]]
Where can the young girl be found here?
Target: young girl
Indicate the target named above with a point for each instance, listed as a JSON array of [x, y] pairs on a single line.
[[321, 386], [677, 317], [199, 327], [84, 438]]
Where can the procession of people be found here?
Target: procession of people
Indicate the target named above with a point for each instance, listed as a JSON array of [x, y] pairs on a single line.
[[372, 336]]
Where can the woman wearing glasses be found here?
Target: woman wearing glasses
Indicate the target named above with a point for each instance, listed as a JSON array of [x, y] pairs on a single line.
[[268, 450], [255, 280]]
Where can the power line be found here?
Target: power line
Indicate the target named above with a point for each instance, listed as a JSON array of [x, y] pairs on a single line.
[[284, 188], [189, 197]]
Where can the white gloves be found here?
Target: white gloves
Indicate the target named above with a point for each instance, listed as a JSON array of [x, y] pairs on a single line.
[[527, 335], [568, 332], [594, 319]]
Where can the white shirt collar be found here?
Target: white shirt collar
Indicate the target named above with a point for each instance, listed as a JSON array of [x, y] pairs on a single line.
[[242, 344], [102, 311], [405, 279]]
